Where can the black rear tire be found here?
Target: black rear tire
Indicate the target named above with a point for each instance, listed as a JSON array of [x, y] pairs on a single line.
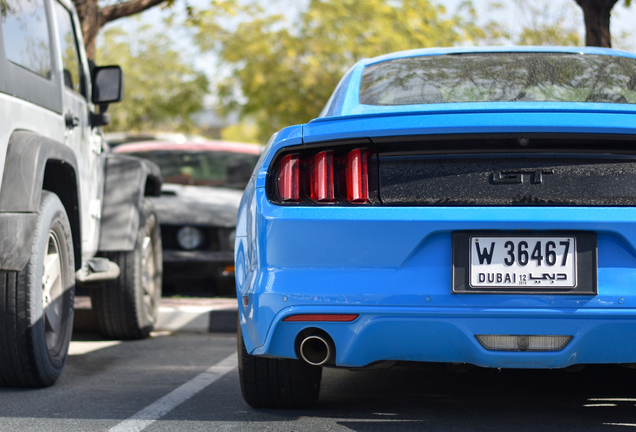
[[37, 303], [277, 383], [126, 307]]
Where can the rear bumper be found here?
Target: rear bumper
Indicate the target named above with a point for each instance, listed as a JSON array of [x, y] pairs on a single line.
[[392, 265], [180, 266], [197, 256], [448, 335], [177, 267]]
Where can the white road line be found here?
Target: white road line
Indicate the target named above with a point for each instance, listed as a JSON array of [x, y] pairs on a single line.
[[613, 399], [163, 406], [374, 420], [85, 347]]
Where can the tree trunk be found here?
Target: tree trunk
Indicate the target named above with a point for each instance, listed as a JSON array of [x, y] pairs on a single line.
[[89, 15], [597, 21], [92, 17]]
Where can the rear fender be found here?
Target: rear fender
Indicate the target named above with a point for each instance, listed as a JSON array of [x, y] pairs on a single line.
[[31, 162]]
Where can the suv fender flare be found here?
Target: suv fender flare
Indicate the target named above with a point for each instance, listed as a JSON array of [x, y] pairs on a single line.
[[128, 180], [28, 155]]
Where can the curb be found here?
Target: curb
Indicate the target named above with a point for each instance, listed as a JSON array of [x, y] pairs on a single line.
[[181, 315]]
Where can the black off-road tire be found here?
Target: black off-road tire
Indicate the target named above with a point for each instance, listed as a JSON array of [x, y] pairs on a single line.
[[127, 307], [37, 303], [277, 383]]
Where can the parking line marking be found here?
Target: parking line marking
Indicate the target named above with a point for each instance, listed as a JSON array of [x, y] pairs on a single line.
[[163, 406], [85, 347]]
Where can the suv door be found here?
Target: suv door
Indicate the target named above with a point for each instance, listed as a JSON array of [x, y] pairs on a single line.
[[85, 141]]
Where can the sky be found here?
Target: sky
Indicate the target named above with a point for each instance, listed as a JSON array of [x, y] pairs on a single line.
[[622, 20]]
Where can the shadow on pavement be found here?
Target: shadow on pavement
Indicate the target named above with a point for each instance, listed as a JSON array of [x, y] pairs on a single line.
[[115, 382]]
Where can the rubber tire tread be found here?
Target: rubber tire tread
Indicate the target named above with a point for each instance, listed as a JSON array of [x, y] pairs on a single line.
[[277, 383], [15, 370], [19, 360], [115, 302]]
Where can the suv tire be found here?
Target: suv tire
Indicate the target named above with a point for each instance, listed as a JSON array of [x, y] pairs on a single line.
[[126, 307], [37, 303], [276, 383]]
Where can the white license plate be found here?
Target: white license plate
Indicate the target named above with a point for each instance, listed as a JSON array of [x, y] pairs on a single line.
[[523, 262]]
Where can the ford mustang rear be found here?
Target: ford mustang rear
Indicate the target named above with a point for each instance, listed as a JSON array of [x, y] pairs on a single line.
[[462, 206]]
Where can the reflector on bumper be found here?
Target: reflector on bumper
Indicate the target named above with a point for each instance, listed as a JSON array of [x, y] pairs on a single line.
[[322, 317], [523, 342]]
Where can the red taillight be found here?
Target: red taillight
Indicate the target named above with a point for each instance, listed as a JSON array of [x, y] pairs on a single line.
[[288, 184], [357, 176], [322, 317], [332, 176], [321, 177]]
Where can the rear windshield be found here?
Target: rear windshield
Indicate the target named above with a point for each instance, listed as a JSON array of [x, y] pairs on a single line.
[[203, 168], [506, 77]]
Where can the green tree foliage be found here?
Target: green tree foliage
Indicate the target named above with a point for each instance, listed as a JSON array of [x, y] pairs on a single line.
[[282, 73], [162, 91], [243, 131]]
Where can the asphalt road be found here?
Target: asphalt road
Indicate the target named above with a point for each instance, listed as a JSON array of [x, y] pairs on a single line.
[[189, 382]]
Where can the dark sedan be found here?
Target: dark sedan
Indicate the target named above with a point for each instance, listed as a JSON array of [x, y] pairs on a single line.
[[203, 184]]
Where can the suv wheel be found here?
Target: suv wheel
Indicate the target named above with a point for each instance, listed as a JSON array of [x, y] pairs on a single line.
[[276, 383], [126, 308], [37, 303]]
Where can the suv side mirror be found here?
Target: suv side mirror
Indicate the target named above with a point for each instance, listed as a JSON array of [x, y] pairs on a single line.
[[108, 84]]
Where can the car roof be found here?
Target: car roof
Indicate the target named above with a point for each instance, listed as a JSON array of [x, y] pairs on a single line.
[[344, 101], [211, 146], [496, 49]]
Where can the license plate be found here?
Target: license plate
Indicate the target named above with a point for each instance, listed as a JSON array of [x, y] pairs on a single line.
[[513, 262], [523, 262]]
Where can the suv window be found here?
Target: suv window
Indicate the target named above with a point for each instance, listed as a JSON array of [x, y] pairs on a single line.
[[68, 47], [203, 168], [26, 35]]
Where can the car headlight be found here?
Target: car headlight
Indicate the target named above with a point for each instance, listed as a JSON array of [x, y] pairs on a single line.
[[230, 238], [189, 238]]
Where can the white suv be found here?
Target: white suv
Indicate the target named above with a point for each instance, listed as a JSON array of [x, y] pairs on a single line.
[[70, 211]]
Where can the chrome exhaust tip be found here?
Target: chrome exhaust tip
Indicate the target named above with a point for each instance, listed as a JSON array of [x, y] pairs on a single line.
[[315, 350]]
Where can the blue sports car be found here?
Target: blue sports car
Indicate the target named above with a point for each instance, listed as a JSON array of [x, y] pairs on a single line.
[[464, 205]]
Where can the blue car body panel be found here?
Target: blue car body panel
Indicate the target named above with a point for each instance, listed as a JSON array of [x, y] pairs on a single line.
[[472, 122], [392, 265]]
